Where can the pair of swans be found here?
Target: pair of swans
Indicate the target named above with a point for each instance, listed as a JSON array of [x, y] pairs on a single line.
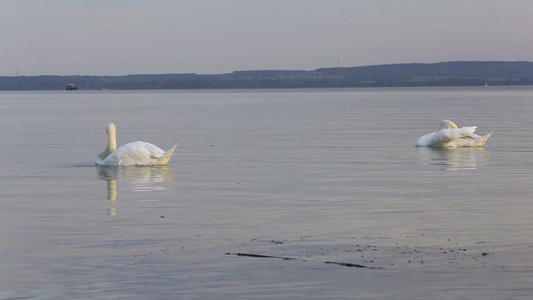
[[145, 154], [132, 154], [450, 136]]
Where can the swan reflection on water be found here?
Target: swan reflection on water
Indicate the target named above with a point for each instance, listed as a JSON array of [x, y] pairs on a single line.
[[453, 158], [141, 179]]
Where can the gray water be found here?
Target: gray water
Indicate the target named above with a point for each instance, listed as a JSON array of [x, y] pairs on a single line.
[[304, 177]]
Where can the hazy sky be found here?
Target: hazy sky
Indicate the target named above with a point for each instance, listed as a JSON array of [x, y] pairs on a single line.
[[112, 37]]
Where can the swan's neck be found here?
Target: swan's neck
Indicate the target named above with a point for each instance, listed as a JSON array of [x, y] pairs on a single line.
[[111, 142], [446, 124]]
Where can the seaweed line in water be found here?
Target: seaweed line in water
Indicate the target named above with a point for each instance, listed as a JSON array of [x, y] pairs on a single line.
[[260, 256], [351, 265], [291, 258]]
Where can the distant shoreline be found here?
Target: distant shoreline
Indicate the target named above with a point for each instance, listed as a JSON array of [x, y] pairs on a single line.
[[460, 73]]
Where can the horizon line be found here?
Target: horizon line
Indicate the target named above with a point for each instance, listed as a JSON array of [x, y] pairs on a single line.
[[276, 70]]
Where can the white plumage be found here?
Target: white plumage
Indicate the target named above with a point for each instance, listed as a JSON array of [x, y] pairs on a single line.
[[450, 136], [132, 154]]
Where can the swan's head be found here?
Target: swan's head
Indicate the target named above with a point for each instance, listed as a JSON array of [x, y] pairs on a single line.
[[445, 124], [111, 129]]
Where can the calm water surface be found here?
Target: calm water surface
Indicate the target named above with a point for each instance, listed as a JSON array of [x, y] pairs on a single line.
[[304, 177]]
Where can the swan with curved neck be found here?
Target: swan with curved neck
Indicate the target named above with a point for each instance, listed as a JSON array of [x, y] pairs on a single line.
[[132, 154], [450, 135]]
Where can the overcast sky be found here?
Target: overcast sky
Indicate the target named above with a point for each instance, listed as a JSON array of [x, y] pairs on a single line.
[[112, 37]]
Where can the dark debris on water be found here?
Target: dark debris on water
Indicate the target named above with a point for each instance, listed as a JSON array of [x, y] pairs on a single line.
[[374, 256]]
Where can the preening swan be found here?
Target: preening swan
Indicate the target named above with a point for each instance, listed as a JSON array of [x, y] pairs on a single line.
[[450, 136], [132, 154]]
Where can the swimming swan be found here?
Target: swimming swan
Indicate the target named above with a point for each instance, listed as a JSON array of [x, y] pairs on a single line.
[[450, 136], [132, 154]]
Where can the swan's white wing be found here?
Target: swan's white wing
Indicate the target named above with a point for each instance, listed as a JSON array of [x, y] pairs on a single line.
[[140, 154], [137, 152], [446, 137]]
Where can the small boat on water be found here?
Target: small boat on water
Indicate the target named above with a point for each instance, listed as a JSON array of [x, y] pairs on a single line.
[[71, 87]]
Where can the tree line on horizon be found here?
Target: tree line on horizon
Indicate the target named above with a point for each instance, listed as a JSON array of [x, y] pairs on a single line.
[[471, 73]]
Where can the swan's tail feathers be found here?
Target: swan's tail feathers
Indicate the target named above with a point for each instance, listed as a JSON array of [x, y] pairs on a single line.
[[163, 160], [483, 140]]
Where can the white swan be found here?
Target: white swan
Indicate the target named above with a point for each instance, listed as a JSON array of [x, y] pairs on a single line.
[[132, 154], [450, 136]]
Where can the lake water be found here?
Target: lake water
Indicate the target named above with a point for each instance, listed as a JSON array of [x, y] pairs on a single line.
[[271, 194]]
